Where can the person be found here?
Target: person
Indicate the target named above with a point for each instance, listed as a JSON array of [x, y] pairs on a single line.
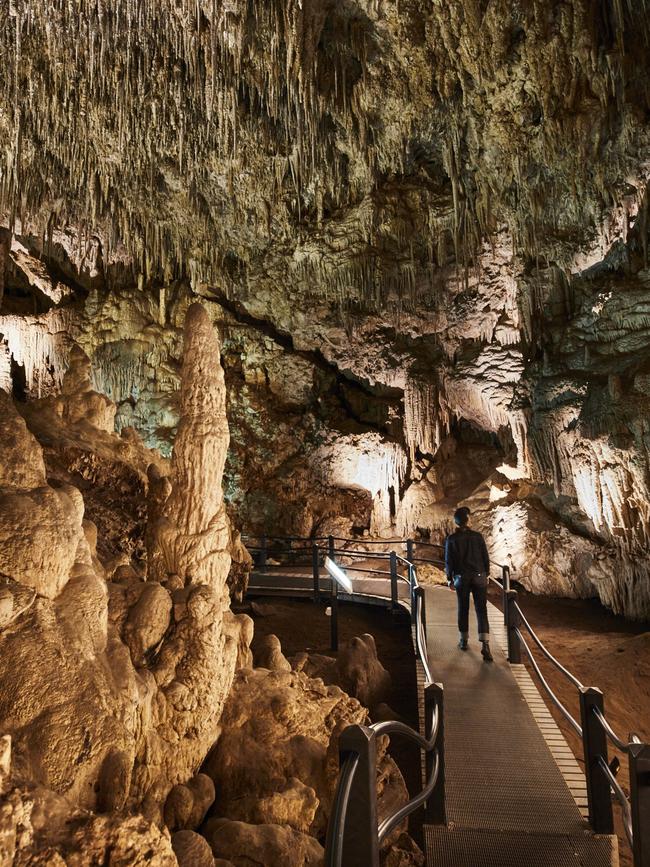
[[467, 565]]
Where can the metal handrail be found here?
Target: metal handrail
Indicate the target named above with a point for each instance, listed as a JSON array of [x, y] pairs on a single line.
[[367, 541], [548, 689], [421, 640], [428, 544], [340, 806], [358, 752], [394, 727], [574, 680], [609, 731], [621, 797], [391, 822]]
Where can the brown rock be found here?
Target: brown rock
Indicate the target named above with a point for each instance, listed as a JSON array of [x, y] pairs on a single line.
[[361, 673], [192, 850], [271, 845], [269, 654]]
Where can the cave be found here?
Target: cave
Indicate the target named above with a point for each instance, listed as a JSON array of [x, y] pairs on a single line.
[[284, 284]]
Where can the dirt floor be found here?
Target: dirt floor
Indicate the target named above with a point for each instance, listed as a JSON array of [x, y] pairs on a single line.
[[601, 650]]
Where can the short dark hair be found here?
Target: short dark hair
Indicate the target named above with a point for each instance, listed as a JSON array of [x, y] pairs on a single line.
[[461, 516]]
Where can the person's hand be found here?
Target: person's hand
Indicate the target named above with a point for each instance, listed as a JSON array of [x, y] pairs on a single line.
[[450, 584]]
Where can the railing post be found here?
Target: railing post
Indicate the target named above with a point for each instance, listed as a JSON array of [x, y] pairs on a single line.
[[330, 547], [434, 810], [393, 580], [410, 550], [594, 743], [315, 568], [414, 599], [334, 620], [512, 624], [263, 552], [360, 834], [505, 581], [639, 757]]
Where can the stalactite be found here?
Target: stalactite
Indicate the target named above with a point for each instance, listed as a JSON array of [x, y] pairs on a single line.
[[426, 418], [40, 344]]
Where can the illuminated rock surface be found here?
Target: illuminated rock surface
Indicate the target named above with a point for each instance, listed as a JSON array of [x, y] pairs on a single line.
[[403, 221], [346, 265]]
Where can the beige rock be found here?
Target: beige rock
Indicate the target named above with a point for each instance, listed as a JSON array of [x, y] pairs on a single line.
[[194, 534], [240, 567], [271, 845], [78, 401], [192, 850], [110, 697], [187, 805], [22, 466], [295, 806], [147, 621], [269, 654], [277, 728], [40, 531], [362, 675]]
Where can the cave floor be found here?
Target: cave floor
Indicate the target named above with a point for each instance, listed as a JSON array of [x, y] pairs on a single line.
[[507, 767]]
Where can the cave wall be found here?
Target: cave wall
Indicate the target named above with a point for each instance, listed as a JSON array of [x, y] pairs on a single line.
[[402, 221]]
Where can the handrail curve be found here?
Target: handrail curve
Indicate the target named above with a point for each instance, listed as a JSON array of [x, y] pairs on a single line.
[[391, 822]]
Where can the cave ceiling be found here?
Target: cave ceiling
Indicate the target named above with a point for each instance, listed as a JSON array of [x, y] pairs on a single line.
[[351, 151]]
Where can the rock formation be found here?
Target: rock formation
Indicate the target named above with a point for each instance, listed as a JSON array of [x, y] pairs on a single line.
[[193, 531], [112, 690], [422, 233]]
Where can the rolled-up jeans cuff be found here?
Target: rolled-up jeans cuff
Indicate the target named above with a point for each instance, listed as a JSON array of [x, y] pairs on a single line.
[[484, 636]]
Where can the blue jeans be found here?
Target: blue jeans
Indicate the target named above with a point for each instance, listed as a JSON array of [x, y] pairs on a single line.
[[473, 584]]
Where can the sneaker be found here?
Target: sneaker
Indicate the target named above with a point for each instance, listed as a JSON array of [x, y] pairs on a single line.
[[463, 644], [485, 652]]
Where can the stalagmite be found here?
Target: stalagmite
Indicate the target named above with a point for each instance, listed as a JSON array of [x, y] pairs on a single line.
[[194, 533]]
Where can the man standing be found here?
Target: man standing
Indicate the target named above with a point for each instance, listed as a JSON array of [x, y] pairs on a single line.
[[468, 566]]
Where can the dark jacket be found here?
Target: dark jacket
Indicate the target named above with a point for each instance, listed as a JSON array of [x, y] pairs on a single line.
[[466, 554]]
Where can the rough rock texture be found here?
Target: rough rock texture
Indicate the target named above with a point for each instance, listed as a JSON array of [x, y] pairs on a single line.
[[39, 828], [192, 850], [410, 221], [357, 669], [270, 760], [193, 533], [111, 689], [275, 766], [272, 845]]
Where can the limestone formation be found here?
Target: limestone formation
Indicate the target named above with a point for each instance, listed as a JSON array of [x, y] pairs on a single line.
[[347, 265], [194, 533], [187, 805], [270, 759], [112, 692], [192, 850], [241, 844], [39, 828], [357, 669], [361, 674]]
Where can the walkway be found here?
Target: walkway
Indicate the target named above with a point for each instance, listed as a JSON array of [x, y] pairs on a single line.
[[507, 794]]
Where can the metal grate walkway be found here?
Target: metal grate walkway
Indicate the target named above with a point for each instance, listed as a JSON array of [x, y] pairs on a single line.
[[507, 799]]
